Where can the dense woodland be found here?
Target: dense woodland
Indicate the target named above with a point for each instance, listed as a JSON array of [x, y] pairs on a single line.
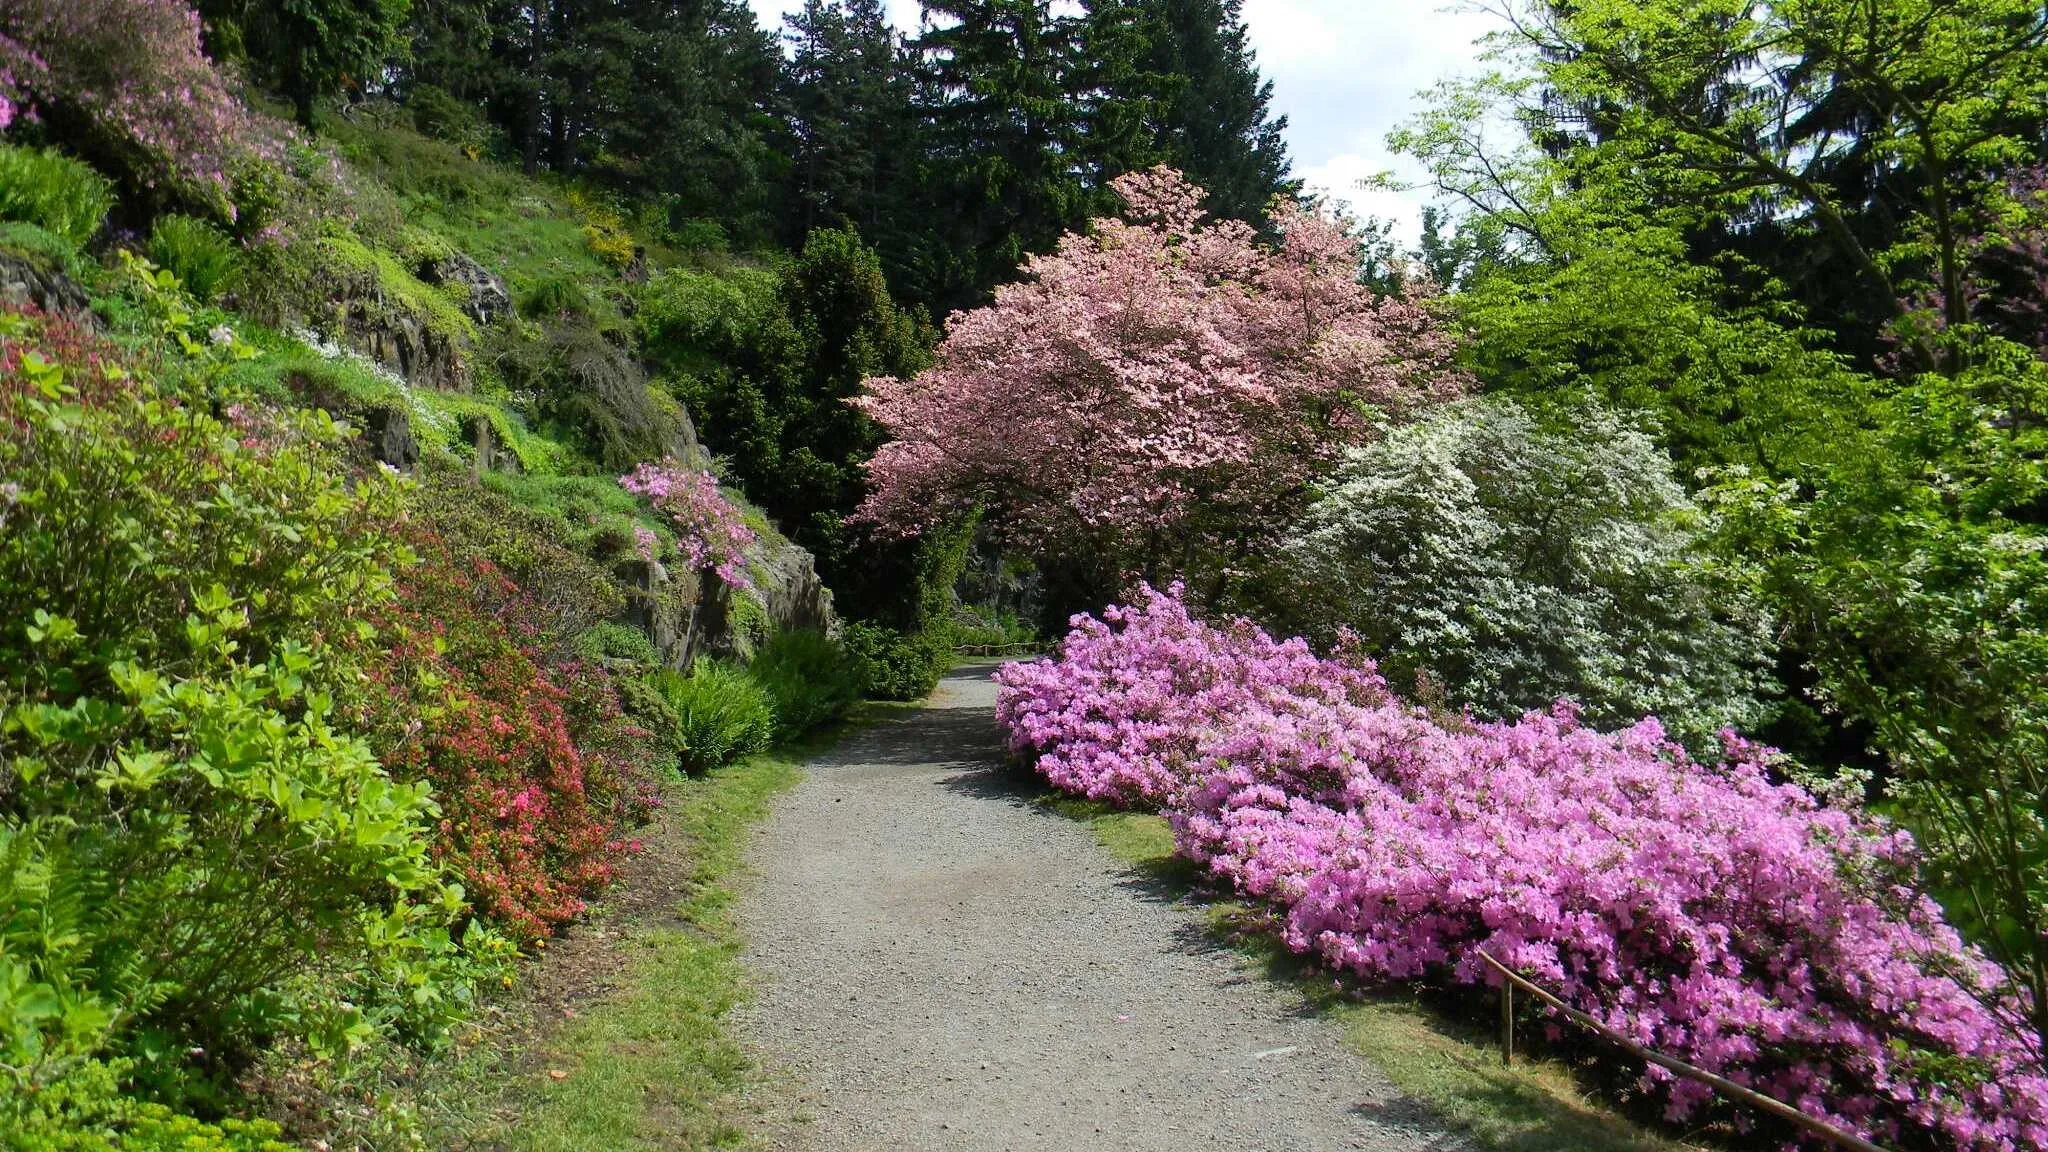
[[429, 429]]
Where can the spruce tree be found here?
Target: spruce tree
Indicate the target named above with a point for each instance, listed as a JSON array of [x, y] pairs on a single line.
[[1004, 128], [847, 90], [1211, 112]]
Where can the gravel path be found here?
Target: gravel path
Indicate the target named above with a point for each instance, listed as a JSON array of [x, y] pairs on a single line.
[[941, 964]]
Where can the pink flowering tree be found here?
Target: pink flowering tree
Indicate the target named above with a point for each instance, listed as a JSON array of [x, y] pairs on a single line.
[[709, 528], [1700, 907], [130, 80], [1157, 395]]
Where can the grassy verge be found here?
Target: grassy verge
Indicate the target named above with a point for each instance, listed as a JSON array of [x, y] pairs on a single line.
[[650, 1066], [616, 1040], [1451, 1066]]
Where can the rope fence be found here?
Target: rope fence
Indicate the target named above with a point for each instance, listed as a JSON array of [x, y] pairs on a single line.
[[1722, 1084]]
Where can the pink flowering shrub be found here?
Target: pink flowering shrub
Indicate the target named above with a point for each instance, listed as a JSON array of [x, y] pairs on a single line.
[[708, 527], [1162, 384], [133, 74], [1701, 909]]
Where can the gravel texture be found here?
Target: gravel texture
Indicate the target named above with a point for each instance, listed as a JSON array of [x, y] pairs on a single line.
[[942, 964]]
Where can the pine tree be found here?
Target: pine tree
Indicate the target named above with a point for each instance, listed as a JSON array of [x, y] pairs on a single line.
[[847, 90], [997, 92], [1211, 112]]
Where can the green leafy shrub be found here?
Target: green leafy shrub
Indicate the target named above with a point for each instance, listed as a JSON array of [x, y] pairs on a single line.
[[897, 665], [194, 855], [54, 192], [198, 254], [813, 678], [85, 1112], [555, 296], [614, 641], [722, 714]]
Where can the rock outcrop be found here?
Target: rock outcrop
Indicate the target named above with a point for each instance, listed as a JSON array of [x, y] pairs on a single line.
[[489, 299], [25, 280]]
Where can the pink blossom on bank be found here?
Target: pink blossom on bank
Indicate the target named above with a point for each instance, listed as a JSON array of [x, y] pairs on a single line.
[[1703, 909], [709, 528]]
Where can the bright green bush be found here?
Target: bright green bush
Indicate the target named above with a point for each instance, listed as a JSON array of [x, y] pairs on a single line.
[[614, 641], [812, 677], [198, 254], [722, 714], [87, 1113], [54, 192], [192, 855]]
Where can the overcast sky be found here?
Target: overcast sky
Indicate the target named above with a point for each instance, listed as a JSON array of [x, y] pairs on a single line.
[[1344, 72]]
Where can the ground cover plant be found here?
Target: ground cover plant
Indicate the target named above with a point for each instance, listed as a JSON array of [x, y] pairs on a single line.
[[1704, 909]]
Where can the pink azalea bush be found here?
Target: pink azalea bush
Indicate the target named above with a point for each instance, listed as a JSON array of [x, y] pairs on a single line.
[[1702, 909], [1162, 382], [134, 72], [708, 527]]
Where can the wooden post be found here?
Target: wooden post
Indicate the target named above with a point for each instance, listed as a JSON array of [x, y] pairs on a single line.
[[1776, 1107], [1507, 1023]]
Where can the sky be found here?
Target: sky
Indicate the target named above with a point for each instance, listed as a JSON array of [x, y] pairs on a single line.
[[1344, 73]]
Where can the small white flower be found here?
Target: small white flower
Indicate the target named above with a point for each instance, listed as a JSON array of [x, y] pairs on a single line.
[[221, 335]]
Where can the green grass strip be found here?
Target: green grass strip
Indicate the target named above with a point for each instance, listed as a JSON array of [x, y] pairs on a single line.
[[651, 1066]]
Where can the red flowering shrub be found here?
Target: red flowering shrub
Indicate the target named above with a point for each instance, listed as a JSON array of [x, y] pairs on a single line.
[[62, 353], [536, 769]]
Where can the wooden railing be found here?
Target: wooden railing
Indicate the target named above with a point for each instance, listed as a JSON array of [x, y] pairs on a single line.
[[1722, 1084], [1015, 648]]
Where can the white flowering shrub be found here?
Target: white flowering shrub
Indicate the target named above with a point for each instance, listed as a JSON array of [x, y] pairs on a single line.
[[1511, 560]]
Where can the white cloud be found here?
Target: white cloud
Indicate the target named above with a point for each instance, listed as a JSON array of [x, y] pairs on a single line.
[[1345, 73]]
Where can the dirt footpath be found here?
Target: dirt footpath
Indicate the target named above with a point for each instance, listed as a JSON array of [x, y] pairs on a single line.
[[941, 964]]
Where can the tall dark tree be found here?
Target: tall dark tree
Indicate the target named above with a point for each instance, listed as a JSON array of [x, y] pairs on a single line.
[[308, 50], [848, 91], [1208, 110], [1004, 129]]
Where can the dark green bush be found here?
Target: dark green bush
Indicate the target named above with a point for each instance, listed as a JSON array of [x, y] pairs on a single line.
[[54, 192], [614, 641], [813, 678], [198, 254], [722, 715], [895, 665]]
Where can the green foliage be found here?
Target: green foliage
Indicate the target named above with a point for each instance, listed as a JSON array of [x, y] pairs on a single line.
[[198, 254], [85, 1112], [1912, 564], [614, 641], [44, 248], [50, 190], [992, 629], [813, 679], [193, 856], [722, 714], [308, 50], [896, 666]]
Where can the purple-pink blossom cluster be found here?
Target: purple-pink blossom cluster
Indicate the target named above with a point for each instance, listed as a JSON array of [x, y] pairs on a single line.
[[1704, 910], [709, 528], [136, 72]]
